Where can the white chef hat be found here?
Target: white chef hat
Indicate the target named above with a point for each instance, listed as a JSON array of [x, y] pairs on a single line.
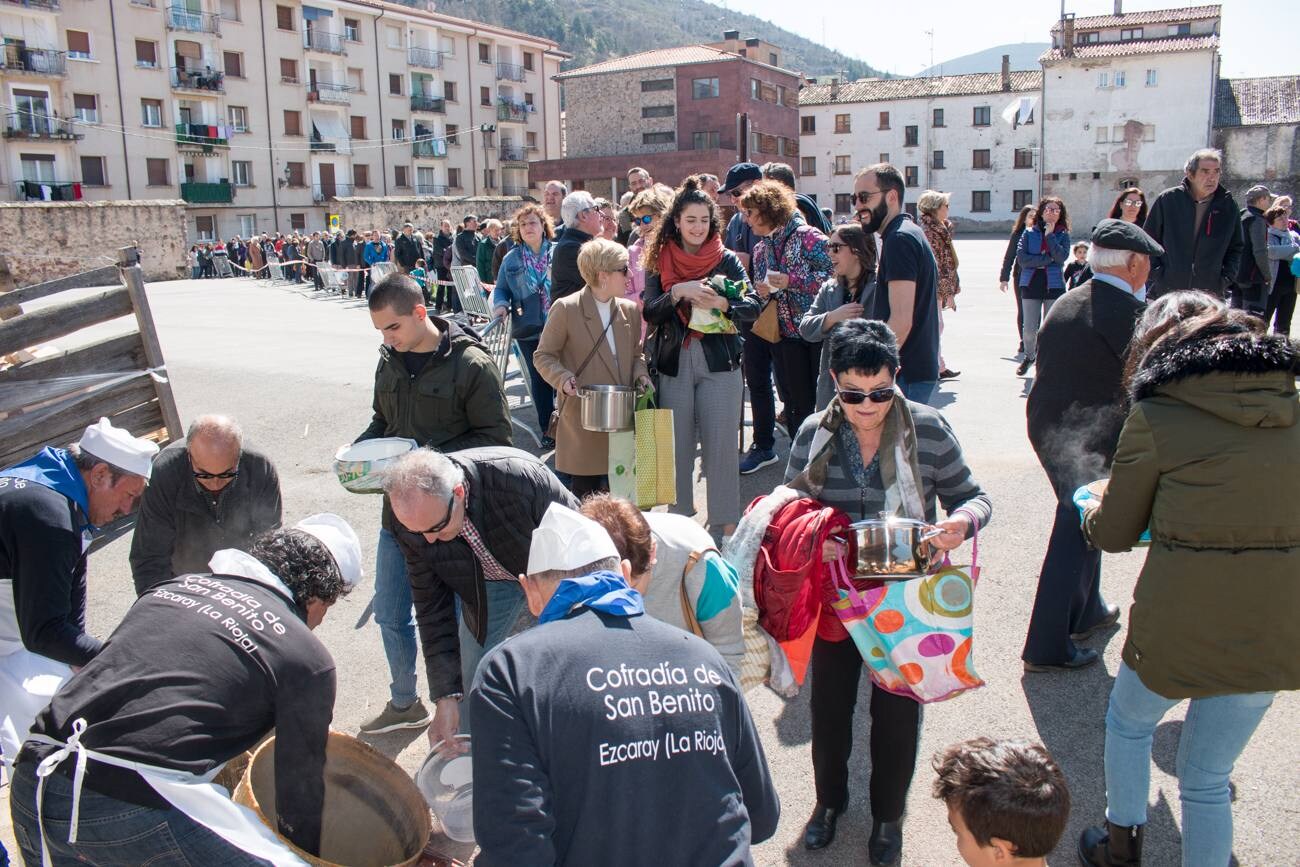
[[566, 540], [116, 446], [335, 534]]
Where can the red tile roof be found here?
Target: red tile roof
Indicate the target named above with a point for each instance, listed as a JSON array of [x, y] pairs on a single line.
[[1257, 101], [1133, 47], [877, 89], [1136, 19]]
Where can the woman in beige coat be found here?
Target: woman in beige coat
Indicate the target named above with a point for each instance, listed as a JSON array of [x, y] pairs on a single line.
[[599, 317]]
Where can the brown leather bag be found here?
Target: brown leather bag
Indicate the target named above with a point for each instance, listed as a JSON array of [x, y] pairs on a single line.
[[688, 610], [767, 325]]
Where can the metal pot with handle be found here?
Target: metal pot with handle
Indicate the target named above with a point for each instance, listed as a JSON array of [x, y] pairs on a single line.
[[607, 408], [890, 548]]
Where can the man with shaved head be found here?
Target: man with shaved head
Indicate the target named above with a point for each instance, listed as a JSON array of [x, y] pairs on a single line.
[[208, 492]]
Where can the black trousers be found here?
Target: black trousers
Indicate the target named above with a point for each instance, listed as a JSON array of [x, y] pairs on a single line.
[[1281, 304], [1069, 589], [1020, 311], [895, 733], [585, 486], [1251, 297], [798, 363], [756, 360]]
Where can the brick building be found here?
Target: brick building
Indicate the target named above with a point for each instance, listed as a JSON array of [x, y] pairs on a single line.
[[675, 111]]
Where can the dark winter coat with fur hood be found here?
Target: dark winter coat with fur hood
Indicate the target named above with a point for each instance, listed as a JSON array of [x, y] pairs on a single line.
[[1209, 458]]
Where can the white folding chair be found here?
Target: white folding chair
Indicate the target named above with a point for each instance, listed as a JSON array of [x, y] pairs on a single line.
[[470, 291], [496, 341]]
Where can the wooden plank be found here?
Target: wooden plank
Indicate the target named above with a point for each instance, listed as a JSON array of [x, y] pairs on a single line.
[[51, 323], [133, 277], [124, 352], [21, 432], [143, 420], [106, 276]]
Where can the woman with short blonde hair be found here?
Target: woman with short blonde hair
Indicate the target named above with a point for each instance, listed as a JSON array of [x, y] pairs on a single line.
[[647, 208]]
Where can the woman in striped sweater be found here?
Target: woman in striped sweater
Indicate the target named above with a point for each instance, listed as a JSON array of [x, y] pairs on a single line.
[[872, 451]]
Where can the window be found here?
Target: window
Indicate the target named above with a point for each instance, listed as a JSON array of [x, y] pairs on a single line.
[[157, 172], [772, 59], [292, 123], [146, 53], [981, 159], [705, 88], [401, 176], [247, 225], [205, 228], [843, 124], [936, 160], [234, 63], [780, 94], [980, 201], [238, 116], [1103, 79], [1024, 158], [808, 125], [399, 130], [151, 112], [1130, 34], [1153, 78], [658, 137], [1103, 134], [1180, 30], [528, 99], [453, 134], [1148, 133], [395, 84], [808, 166], [911, 176], [79, 44], [490, 178], [843, 164], [755, 89], [92, 172], [911, 135], [38, 167], [843, 203], [884, 157], [297, 222], [485, 96], [393, 36], [657, 110], [241, 173], [706, 141], [528, 61], [230, 10], [1090, 38], [355, 80], [884, 120], [1120, 78], [296, 174], [288, 70], [352, 29], [453, 179], [530, 141], [357, 126], [361, 176], [938, 118], [449, 91], [86, 106], [1020, 198], [284, 17], [484, 53], [983, 116], [656, 84]]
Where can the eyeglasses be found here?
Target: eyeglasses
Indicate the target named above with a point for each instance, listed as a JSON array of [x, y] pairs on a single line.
[[853, 397], [644, 221], [442, 525], [228, 474], [622, 271], [863, 196], [835, 246], [1131, 203]]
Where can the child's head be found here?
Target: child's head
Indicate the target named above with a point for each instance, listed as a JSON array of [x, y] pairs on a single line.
[[419, 263], [1081, 251], [1007, 800]]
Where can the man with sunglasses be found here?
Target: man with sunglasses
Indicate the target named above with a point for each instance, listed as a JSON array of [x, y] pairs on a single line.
[[209, 492], [582, 222]]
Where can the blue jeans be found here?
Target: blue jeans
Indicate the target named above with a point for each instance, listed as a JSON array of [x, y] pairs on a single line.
[[919, 392], [543, 394], [396, 619], [1215, 732], [505, 607], [111, 833]]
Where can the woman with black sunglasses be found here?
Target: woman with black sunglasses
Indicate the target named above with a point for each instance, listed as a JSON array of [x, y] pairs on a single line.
[[843, 297], [871, 451]]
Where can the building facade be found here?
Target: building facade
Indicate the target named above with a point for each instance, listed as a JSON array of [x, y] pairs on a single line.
[[1255, 123], [675, 112], [259, 113], [972, 136]]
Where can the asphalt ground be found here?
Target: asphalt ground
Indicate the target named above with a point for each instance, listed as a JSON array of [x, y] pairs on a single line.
[[296, 368]]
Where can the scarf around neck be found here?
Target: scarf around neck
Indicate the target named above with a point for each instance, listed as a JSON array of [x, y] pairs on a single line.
[[678, 266], [600, 591], [537, 270]]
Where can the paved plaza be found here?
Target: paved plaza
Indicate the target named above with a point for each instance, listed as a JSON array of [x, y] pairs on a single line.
[[296, 369]]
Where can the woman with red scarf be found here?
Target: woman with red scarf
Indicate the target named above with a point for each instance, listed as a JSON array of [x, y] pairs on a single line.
[[699, 373]]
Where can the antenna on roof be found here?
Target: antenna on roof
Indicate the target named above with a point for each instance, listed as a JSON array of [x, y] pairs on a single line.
[[930, 33]]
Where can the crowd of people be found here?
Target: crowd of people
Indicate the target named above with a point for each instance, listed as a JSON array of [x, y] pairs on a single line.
[[1158, 388]]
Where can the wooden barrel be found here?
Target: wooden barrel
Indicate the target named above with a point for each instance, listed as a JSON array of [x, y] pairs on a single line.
[[374, 815]]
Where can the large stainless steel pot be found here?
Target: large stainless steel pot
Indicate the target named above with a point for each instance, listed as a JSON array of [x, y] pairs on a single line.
[[890, 547], [607, 408]]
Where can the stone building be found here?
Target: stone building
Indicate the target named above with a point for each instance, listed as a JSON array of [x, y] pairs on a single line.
[[973, 136], [1255, 122], [258, 113], [675, 111]]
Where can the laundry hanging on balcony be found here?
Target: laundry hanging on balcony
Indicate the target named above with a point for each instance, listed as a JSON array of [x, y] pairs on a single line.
[[34, 190]]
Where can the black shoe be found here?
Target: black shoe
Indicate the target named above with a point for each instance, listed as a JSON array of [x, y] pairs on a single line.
[[947, 373], [1111, 846], [548, 443], [1024, 366], [1110, 618], [886, 843], [820, 830], [1081, 659]]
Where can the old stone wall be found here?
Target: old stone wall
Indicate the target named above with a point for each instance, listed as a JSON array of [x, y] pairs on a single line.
[[47, 240], [424, 212], [1260, 154]]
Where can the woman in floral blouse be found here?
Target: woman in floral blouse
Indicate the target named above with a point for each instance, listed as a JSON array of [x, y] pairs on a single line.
[[790, 265], [938, 231]]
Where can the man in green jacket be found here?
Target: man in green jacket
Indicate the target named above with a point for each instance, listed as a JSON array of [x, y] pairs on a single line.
[[487, 245], [436, 385]]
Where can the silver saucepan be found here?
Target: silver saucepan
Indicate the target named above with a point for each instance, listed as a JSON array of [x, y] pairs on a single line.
[[607, 408], [890, 548]]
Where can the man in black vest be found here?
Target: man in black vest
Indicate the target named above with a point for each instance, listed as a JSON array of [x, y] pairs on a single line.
[[1254, 274]]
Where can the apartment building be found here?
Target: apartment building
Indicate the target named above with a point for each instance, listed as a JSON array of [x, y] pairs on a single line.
[[973, 136], [259, 112], [675, 112]]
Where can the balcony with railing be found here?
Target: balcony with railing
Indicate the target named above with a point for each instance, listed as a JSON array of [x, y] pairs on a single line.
[[330, 93], [42, 5], [329, 192], [319, 145], [429, 149], [428, 104], [509, 71], [33, 61], [207, 193], [314, 39], [206, 80], [181, 18], [30, 125], [200, 135], [425, 58], [512, 112], [512, 153], [432, 189]]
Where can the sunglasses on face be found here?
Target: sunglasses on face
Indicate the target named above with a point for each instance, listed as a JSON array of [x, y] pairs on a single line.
[[622, 271], [228, 474], [835, 246], [1131, 203], [863, 196], [442, 525], [852, 397], [644, 221]]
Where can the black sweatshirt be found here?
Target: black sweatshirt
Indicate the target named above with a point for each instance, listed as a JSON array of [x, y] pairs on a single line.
[[202, 668], [601, 739]]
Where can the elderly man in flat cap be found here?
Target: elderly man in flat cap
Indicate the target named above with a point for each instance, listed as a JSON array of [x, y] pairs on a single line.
[[605, 736], [1076, 409], [50, 506]]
